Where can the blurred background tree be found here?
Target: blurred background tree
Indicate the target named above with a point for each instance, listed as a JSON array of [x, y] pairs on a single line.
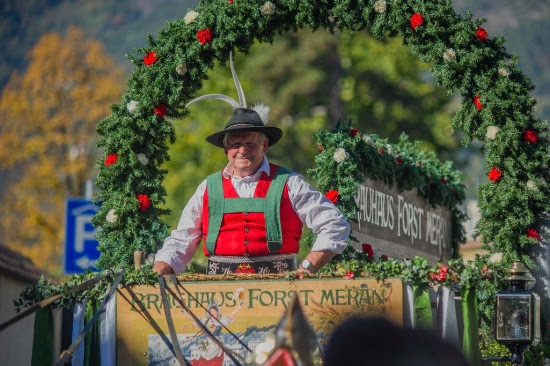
[[48, 118]]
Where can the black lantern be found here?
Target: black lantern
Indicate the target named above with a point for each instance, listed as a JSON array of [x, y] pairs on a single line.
[[517, 313]]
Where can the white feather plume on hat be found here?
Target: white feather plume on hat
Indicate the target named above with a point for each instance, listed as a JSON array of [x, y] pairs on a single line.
[[263, 112]]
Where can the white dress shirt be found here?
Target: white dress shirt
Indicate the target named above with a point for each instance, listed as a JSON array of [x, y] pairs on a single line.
[[312, 207]]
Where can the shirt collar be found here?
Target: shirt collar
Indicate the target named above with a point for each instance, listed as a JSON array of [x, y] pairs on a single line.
[[263, 168]]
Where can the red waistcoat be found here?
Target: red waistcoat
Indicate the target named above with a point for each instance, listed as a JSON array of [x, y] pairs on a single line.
[[244, 233]]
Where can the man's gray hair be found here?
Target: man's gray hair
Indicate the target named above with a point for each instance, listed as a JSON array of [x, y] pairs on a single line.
[[232, 133]]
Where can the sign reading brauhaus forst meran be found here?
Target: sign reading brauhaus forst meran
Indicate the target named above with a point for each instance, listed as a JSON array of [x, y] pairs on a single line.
[[401, 224]]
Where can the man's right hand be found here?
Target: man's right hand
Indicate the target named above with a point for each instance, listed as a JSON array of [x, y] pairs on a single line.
[[162, 268]]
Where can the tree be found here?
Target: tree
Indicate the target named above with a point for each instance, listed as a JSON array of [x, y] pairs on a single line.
[[48, 118]]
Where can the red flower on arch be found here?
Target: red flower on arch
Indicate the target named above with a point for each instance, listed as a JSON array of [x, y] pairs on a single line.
[[161, 110], [416, 20], [495, 174], [204, 35], [530, 136], [144, 201], [481, 34], [150, 58], [477, 102], [332, 195], [111, 159]]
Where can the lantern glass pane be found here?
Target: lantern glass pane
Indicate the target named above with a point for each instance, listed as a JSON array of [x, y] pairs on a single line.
[[536, 323], [513, 317]]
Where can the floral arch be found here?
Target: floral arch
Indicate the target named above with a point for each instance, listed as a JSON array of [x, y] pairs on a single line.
[[496, 109]]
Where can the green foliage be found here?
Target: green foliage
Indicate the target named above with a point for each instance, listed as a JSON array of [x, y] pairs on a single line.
[[473, 71], [404, 164]]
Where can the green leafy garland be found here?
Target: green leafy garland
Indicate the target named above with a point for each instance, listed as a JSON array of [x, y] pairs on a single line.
[[496, 109], [348, 157]]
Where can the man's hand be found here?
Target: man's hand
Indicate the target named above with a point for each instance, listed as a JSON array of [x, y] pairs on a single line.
[[162, 268], [318, 259]]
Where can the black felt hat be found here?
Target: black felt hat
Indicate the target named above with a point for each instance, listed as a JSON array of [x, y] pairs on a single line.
[[245, 119]]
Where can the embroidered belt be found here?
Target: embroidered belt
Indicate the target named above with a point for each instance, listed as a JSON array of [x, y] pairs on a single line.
[[276, 263]]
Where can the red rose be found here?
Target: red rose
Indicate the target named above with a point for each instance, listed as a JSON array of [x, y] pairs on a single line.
[[533, 233], [442, 276], [443, 180], [419, 163], [444, 269], [530, 136], [433, 276], [144, 201], [320, 148], [353, 132], [349, 275], [484, 270], [111, 159], [204, 35], [367, 249], [495, 174], [161, 110], [481, 34], [380, 151], [477, 102], [230, 1], [399, 161], [150, 58], [383, 258], [416, 20], [332, 195]]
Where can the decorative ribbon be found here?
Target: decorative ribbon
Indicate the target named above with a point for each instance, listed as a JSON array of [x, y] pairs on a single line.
[[446, 316], [422, 307], [470, 339], [78, 325], [66, 355], [107, 333], [409, 306], [42, 345]]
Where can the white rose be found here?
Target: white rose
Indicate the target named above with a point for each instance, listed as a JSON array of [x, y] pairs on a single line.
[[368, 140], [268, 8], [132, 106], [492, 132], [111, 216], [190, 17], [380, 6], [340, 155], [502, 71], [181, 69], [449, 55], [389, 149], [531, 185], [143, 159]]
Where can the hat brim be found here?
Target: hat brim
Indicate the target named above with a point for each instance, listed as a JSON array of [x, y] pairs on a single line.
[[274, 134]]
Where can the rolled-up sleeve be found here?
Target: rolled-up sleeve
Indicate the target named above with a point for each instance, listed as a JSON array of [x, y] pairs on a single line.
[[319, 214], [180, 247]]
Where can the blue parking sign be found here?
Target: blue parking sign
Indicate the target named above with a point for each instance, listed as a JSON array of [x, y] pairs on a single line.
[[81, 250]]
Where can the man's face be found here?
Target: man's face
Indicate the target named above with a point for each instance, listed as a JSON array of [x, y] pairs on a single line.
[[245, 152]]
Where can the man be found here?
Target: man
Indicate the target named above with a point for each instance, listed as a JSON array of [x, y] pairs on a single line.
[[251, 214]]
